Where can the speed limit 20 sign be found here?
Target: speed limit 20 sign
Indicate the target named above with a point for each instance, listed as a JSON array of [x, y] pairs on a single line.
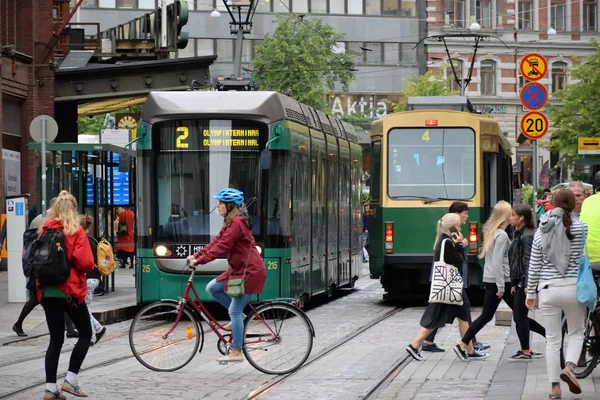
[[534, 125]]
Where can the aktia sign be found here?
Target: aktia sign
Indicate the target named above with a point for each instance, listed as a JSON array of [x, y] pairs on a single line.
[[368, 106]]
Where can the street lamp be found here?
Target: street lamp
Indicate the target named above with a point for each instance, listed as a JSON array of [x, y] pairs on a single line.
[[241, 13], [551, 31], [475, 27], [215, 13]]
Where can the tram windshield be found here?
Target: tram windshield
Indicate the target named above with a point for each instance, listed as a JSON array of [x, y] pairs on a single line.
[[194, 160], [433, 163]]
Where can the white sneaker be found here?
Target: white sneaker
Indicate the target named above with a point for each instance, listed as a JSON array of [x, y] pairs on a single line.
[[231, 358]]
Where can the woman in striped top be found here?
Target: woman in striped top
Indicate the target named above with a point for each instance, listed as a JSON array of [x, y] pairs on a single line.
[[553, 269]]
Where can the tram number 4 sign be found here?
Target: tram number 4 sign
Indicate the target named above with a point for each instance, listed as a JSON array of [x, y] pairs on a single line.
[[534, 125]]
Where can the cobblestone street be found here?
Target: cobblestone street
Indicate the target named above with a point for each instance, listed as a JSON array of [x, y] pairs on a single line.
[[346, 372]]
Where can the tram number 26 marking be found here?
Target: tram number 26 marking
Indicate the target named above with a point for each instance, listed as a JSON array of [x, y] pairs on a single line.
[[534, 125], [180, 142], [272, 265], [145, 268]]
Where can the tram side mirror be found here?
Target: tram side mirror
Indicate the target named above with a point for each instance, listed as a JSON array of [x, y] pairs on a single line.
[[265, 159]]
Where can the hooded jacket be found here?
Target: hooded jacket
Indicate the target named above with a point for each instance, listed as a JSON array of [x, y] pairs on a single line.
[[519, 254], [237, 242], [80, 256]]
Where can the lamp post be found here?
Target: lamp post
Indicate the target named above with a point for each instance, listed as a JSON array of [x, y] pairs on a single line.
[[241, 13]]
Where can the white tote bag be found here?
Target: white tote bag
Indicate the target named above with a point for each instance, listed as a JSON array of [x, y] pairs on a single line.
[[446, 282]]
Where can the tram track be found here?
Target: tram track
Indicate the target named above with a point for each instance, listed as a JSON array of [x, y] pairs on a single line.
[[387, 378], [269, 385]]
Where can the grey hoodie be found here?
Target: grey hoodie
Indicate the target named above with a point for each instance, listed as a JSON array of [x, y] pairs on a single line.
[[497, 269], [556, 246]]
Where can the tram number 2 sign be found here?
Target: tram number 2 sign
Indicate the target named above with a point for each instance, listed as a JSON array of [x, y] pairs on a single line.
[[534, 125]]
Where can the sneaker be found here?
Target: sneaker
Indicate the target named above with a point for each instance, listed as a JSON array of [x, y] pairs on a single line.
[[520, 356], [48, 395], [414, 353], [460, 353], [481, 346], [100, 334], [555, 393], [73, 334], [569, 378], [477, 355], [73, 388], [432, 348], [18, 329], [231, 358], [535, 354]]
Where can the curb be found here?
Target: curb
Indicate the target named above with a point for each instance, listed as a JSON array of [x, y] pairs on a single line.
[[116, 315]]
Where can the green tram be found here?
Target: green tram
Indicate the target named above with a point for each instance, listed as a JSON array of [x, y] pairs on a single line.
[[423, 160], [300, 173]]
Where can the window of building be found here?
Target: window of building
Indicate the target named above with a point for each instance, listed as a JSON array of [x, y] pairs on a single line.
[[391, 7], [355, 47], [487, 72], [339, 48], [126, 3], [483, 13], [525, 15], [206, 47], [147, 4], [255, 44], [246, 51], [590, 16], [374, 56], [391, 53], [408, 8], [107, 3], [559, 76], [318, 6], [300, 6], [281, 6], [188, 51], [85, 3], [456, 12], [557, 15], [225, 50], [262, 6], [373, 7], [355, 7], [337, 7], [458, 68], [409, 54]]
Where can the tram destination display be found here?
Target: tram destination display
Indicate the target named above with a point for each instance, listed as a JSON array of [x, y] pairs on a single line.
[[202, 135]]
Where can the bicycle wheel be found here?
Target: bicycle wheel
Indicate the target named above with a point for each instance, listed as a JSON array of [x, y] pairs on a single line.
[[278, 338], [159, 352], [590, 352]]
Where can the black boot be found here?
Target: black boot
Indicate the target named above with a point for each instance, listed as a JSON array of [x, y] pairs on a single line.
[[18, 329]]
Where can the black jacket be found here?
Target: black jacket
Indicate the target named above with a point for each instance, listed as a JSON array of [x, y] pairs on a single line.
[[453, 253], [519, 253], [94, 274]]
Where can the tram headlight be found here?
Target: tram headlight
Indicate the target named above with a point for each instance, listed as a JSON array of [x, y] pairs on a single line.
[[161, 251], [259, 249]]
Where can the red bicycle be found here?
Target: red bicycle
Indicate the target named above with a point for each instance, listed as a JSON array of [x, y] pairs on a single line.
[[166, 335]]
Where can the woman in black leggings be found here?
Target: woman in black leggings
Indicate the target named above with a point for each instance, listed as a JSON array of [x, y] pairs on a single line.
[[496, 275], [67, 297], [519, 253]]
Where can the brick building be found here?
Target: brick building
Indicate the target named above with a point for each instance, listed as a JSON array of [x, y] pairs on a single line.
[[523, 26], [27, 87]]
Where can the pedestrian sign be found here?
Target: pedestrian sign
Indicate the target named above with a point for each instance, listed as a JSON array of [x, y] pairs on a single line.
[[534, 125], [588, 145], [533, 67], [534, 96]]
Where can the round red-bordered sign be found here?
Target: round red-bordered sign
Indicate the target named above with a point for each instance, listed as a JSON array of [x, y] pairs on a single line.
[[533, 66], [534, 125], [534, 96]]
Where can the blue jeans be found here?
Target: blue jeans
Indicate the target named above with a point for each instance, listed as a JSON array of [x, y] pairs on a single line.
[[235, 306]]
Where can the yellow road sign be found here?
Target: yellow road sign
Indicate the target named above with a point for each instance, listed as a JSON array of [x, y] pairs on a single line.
[[533, 66], [534, 125], [588, 145]]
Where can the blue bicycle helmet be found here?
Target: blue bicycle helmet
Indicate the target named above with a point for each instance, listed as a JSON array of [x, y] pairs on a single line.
[[230, 195]]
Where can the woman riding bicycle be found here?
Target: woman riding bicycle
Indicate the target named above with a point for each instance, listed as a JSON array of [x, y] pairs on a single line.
[[235, 239]]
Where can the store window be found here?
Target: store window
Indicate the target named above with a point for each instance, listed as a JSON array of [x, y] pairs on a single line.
[[487, 73], [559, 76]]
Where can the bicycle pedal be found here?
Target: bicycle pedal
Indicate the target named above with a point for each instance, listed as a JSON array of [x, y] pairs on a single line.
[[223, 363]]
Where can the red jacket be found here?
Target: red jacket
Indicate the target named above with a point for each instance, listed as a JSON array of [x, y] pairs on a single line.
[[236, 241], [80, 255]]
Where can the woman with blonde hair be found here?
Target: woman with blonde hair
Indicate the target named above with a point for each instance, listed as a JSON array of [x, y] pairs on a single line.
[[67, 297], [436, 315], [496, 274]]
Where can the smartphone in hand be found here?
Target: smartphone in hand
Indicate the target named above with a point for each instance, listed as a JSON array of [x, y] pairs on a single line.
[[454, 232]]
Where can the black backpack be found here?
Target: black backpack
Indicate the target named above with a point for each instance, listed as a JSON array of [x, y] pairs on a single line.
[[29, 237], [50, 261]]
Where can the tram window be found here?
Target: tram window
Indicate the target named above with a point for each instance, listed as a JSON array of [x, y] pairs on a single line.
[[431, 163], [194, 160], [375, 170]]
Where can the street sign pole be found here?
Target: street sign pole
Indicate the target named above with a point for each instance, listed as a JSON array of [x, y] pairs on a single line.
[[44, 138], [534, 172]]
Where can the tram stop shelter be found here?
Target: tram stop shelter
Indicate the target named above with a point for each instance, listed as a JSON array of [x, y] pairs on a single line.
[[101, 177]]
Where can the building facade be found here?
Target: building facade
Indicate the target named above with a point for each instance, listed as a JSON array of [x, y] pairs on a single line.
[[27, 87], [523, 27], [383, 32]]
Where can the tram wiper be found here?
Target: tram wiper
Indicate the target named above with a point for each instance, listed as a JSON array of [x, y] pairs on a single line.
[[425, 199], [443, 199]]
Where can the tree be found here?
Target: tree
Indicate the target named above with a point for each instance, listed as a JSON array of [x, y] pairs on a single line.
[[577, 112], [432, 83], [299, 59]]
